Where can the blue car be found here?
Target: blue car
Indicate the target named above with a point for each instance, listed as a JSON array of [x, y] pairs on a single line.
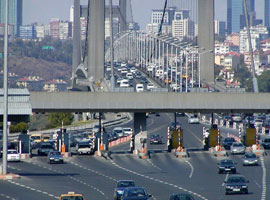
[[136, 193], [120, 187], [55, 157]]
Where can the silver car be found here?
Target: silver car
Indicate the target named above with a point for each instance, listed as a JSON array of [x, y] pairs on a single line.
[[250, 159], [237, 148]]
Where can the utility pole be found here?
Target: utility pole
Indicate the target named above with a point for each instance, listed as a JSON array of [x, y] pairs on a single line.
[[254, 79], [5, 114]]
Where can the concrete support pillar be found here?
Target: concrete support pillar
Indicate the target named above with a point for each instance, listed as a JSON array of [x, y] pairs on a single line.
[[139, 122], [123, 15], [96, 35], [76, 57], [206, 39]]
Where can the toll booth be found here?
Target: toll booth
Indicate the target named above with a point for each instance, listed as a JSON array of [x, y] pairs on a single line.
[[177, 138], [249, 136], [63, 136], [213, 137], [25, 143]]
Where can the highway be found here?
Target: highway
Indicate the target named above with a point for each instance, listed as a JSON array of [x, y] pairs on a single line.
[[162, 174]]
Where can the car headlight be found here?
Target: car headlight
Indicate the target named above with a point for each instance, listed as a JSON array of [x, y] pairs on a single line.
[[244, 186], [120, 191], [51, 158], [229, 187]]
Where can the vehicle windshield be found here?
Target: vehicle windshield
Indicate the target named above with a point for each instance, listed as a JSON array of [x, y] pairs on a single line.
[[236, 180], [266, 140], [182, 197], [12, 152], [55, 153], [226, 162], [250, 156], [229, 140], [35, 137], [83, 145], [46, 146], [136, 192], [71, 198], [238, 145], [125, 184]]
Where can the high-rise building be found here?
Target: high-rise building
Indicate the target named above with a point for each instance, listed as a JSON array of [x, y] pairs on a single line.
[[267, 13], [235, 14], [220, 27], [14, 14]]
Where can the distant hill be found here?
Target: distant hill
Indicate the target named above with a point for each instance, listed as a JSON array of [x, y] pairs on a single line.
[[29, 66]]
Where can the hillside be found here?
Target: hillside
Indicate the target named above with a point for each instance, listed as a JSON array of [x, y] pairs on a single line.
[[29, 66]]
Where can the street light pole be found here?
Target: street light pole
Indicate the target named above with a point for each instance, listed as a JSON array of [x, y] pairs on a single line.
[[5, 114], [111, 46]]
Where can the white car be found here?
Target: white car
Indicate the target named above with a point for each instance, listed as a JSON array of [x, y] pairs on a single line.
[[13, 155], [139, 87], [129, 76], [150, 86], [127, 131], [124, 83], [133, 70], [237, 118], [108, 69], [193, 119]]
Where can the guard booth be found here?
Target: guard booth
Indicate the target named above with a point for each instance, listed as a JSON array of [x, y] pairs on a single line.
[[212, 139], [177, 139], [249, 136], [24, 143]]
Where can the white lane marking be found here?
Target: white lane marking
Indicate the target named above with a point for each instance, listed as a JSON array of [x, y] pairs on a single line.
[[150, 162], [15, 168], [159, 181], [227, 175], [74, 179], [152, 122], [7, 197], [94, 171], [192, 168], [257, 184], [33, 189], [263, 197]]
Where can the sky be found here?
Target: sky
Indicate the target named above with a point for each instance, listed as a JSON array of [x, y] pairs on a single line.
[[42, 11]]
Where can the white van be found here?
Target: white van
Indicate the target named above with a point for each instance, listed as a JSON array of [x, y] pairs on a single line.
[[118, 131], [139, 87], [124, 83]]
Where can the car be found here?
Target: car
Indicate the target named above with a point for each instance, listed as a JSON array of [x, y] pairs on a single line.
[[227, 119], [250, 158], [71, 196], [124, 83], [136, 193], [155, 139], [193, 119], [133, 70], [226, 165], [144, 80], [227, 143], [129, 76], [108, 68], [119, 81], [266, 143], [120, 187], [13, 155], [236, 118], [55, 157], [139, 87], [95, 129], [150, 86], [236, 184], [118, 131], [128, 131], [238, 148], [44, 148], [182, 196]]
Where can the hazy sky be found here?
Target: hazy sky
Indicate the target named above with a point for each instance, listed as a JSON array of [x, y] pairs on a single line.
[[42, 11]]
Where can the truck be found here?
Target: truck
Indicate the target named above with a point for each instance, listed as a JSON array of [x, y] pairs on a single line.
[[85, 147]]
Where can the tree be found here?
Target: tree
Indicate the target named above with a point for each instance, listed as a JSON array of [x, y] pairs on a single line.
[[55, 119], [264, 82]]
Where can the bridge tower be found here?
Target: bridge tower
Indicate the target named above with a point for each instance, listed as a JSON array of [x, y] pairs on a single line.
[[123, 15], [206, 40]]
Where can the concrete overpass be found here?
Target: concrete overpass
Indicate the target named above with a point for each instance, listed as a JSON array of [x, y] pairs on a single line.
[[150, 101]]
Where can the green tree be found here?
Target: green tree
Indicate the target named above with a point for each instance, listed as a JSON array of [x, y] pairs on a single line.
[[264, 82], [55, 119]]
